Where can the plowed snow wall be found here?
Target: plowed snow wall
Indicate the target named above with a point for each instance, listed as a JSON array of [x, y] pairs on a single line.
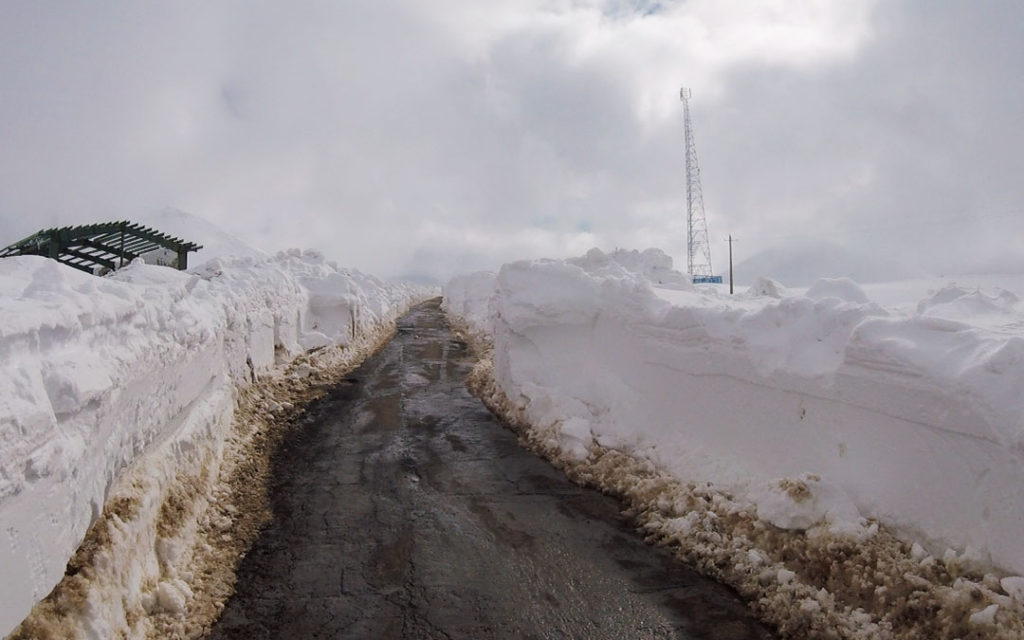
[[102, 375], [914, 417]]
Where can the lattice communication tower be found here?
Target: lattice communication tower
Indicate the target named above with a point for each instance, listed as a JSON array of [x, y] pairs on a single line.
[[698, 250]]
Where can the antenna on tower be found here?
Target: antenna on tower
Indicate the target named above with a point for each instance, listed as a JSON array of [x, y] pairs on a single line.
[[698, 250]]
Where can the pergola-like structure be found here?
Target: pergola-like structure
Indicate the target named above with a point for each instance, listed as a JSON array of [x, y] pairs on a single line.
[[95, 247]]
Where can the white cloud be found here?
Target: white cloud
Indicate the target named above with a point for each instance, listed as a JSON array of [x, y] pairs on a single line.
[[395, 134]]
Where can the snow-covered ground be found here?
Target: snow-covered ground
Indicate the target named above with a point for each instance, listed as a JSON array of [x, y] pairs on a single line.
[[116, 402], [849, 458]]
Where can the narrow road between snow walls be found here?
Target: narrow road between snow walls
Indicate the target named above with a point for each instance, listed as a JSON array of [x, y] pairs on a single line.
[[403, 509]]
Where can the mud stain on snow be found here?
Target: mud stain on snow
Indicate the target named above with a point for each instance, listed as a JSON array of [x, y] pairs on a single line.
[[179, 502], [54, 617], [797, 489]]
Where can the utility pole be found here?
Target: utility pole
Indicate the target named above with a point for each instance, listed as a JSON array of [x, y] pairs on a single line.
[[730, 263]]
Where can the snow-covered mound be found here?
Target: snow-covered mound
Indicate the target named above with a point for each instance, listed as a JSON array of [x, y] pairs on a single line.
[[820, 411], [654, 265], [216, 242], [125, 385], [467, 297]]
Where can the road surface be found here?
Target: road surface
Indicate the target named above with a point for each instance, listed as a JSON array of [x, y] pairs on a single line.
[[403, 509]]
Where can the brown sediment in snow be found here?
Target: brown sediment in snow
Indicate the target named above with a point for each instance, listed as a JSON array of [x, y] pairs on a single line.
[[206, 519], [813, 583], [55, 617], [59, 615], [796, 489]]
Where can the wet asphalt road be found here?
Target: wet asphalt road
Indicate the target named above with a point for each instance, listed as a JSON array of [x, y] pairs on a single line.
[[403, 509]]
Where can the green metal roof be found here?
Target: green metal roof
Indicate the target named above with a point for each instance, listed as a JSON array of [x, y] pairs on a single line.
[[92, 247]]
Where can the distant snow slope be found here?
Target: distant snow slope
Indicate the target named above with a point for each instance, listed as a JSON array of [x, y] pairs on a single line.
[[817, 411], [216, 242], [801, 264], [125, 386]]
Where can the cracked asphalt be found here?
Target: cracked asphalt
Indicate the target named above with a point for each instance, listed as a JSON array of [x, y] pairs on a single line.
[[403, 509]]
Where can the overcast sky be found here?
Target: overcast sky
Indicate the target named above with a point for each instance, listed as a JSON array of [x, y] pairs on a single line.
[[435, 136]]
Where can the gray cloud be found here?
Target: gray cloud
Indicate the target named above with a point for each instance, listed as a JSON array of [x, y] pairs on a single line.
[[910, 150], [411, 139]]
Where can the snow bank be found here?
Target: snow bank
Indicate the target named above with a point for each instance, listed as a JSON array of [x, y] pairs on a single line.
[[465, 301], [116, 397], [653, 265], [820, 413]]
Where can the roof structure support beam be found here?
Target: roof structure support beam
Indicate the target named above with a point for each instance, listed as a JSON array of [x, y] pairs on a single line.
[[108, 244], [77, 265], [91, 258], [113, 250], [128, 228]]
